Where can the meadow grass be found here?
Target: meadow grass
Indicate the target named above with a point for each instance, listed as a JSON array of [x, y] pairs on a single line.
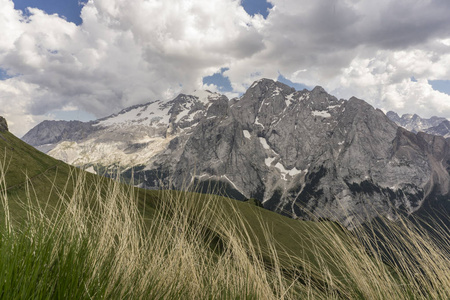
[[98, 243]]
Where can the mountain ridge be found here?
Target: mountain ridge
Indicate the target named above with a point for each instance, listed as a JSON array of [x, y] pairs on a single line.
[[300, 153], [415, 123]]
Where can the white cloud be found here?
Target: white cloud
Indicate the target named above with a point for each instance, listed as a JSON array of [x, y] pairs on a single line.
[[368, 49], [129, 52], [15, 97], [124, 52], [10, 23], [385, 81]]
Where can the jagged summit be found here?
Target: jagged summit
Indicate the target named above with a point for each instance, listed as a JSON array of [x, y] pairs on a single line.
[[442, 129], [297, 152], [318, 90], [48, 133], [415, 123], [3, 124]]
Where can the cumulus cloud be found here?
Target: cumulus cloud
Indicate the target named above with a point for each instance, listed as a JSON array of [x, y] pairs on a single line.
[[122, 54], [368, 49], [386, 81], [15, 95], [129, 52]]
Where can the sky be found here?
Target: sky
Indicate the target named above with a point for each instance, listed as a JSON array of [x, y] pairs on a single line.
[[88, 59]]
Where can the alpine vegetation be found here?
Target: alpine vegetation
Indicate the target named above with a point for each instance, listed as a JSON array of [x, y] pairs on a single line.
[[104, 239]]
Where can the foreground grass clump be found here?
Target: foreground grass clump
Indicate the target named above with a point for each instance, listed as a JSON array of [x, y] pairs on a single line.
[[101, 241], [106, 249]]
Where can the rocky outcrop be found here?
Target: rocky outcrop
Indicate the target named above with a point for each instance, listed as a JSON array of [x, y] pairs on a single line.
[[434, 125], [304, 153], [3, 124], [48, 133], [443, 129]]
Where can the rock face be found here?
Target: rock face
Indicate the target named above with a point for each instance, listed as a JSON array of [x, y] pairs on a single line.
[[301, 153], [434, 125], [443, 129], [3, 124], [49, 133]]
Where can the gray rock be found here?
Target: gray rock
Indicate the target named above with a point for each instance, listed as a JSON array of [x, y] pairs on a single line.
[[52, 132], [443, 129], [304, 153], [414, 122], [3, 124]]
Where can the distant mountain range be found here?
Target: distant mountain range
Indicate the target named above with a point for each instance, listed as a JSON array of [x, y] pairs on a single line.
[[302, 153], [414, 123]]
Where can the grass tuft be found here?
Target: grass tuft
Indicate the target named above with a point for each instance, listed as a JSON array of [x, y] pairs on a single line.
[[97, 242]]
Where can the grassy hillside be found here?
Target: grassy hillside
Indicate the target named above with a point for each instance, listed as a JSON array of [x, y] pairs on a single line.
[[66, 233], [34, 176], [45, 182]]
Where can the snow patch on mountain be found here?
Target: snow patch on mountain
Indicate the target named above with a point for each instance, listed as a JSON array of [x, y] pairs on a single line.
[[334, 106], [289, 99], [205, 96], [256, 83], [321, 113], [304, 97], [257, 122], [184, 112], [263, 142], [284, 172], [276, 92], [268, 161], [150, 114]]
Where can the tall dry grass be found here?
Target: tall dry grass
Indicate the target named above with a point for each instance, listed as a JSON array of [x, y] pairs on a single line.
[[97, 244]]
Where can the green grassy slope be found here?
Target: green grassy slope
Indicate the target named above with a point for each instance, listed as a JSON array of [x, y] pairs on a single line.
[[119, 241], [31, 171]]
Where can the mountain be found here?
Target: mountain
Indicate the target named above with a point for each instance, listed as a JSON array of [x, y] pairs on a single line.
[[52, 181], [434, 125], [189, 235], [442, 129], [28, 176], [48, 133], [300, 153]]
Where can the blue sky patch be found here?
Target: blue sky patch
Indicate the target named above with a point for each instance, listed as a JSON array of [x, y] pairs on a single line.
[[442, 86], [223, 83], [70, 9], [296, 86], [3, 74], [253, 7]]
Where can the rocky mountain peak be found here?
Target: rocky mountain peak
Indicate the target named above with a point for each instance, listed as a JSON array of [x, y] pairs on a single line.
[[393, 116], [219, 107], [358, 104], [415, 123], [3, 124], [300, 153], [442, 129], [52, 132], [263, 100], [318, 90], [267, 86]]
